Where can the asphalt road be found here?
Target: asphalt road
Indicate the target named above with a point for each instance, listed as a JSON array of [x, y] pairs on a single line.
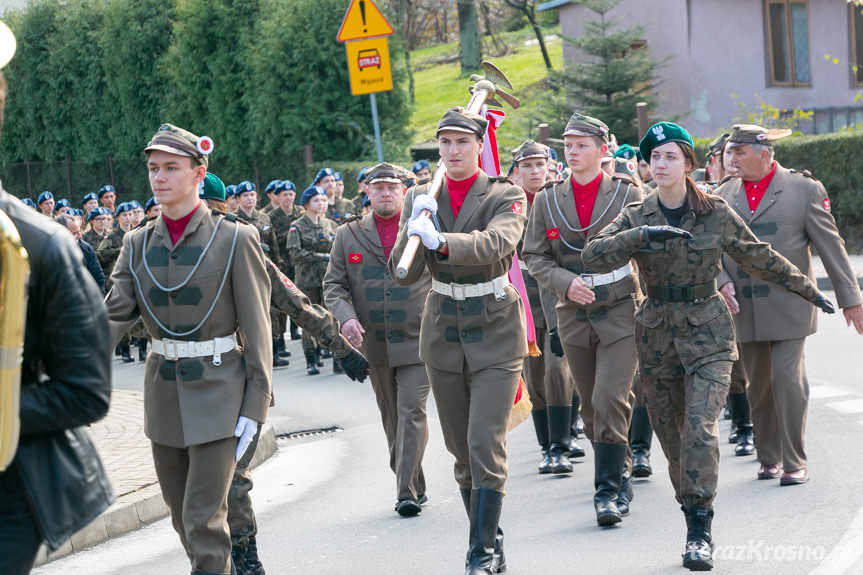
[[325, 502]]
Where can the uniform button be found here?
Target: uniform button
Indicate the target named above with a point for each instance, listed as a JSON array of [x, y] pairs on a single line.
[[389, 292], [387, 315], [463, 334], [182, 371], [462, 308], [174, 255], [173, 295]]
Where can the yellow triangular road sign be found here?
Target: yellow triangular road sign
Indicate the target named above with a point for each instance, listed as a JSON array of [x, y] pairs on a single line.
[[363, 20]]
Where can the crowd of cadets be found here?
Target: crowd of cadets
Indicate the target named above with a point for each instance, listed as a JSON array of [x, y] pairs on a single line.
[[297, 232]]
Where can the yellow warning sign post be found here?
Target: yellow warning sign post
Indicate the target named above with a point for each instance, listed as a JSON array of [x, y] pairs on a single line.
[[369, 66], [364, 30]]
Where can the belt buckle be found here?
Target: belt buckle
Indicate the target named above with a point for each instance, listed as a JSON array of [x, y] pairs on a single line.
[[458, 292], [588, 280], [171, 344]]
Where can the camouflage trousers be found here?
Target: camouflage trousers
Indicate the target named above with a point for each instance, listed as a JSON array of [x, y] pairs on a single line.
[[241, 516], [316, 295], [684, 412]]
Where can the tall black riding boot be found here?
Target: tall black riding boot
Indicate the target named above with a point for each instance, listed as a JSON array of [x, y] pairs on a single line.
[[742, 420], [142, 349], [575, 417], [626, 494], [558, 428], [283, 350], [337, 365], [252, 565], [498, 541], [640, 439], [540, 424], [125, 354], [311, 364], [278, 361], [699, 541], [319, 356], [482, 557], [295, 332], [609, 460], [238, 559]]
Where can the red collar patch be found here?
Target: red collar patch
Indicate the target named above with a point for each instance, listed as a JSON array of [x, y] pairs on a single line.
[[355, 258], [553, 234]]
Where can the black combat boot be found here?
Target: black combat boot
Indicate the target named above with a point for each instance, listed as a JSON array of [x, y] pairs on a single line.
[[558, 428], [741, 420], [117, 351], [238, 559], [609, 459], [283, 350], [499, 557], [325, 353], [311, 364], [640, 439], [278, 361], [125, 354], [319, 357], [252, 566], [540, 424], [626, 493], [482, 557], [295, 332], [337, 366], [699, 541], [142, 349]]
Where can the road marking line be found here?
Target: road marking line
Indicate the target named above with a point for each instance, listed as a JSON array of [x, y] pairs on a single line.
[[825, 391], [846, 553], [849, 406]]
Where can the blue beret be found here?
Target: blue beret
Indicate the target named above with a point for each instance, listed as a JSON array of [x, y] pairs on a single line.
[[105, 189], [243, 187], [323, 173], [362, 175], [663, 133], [124, 207], [150, 203], [230, 191], [77, 212], [44, 196], [367, 201], [338, 176], [552, 153], [135, 204], [311, 191], [285, 185], [88, 197], [29, 202], [420, 165], [271, 187], [62, 203]]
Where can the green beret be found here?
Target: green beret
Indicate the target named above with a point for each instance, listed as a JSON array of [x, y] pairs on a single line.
[[529, 149], [385, 173], [181, 142], [581, 125], [212, 187], [461, 120], [746, 134], [625, 151], [660, 134]]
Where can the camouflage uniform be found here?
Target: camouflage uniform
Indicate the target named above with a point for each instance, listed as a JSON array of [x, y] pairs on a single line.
[[341, 209], [93, 238], [309, 246], [684, 332], [262, 223], [281, 223], [108, 251]]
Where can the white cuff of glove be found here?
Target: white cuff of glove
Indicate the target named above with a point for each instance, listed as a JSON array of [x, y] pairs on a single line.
[[423, 228], [423, 202], [246, 429]]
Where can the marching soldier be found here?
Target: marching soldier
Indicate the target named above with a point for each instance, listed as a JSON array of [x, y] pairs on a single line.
[[684, 332], [791, 210], [282, 219], [200, 284], [472, 336], [309, 242], [595, 311], [548, 379], [382, 319]]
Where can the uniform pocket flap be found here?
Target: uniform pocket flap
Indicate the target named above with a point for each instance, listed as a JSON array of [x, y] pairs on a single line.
[[702, 313], [649, 314]]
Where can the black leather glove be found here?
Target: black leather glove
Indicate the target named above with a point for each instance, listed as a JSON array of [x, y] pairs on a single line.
[[356, 365], [824, 303], [556, 345], [662, 233]]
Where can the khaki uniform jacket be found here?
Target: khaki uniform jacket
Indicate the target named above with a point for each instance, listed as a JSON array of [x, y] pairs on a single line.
[[701, 330], [359, 286], [192, 401], [262, 223], [793, 214], [309, 245], [554, 263], [480, 331]]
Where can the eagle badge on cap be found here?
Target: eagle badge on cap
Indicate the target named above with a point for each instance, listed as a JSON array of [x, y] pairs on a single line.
[[659, 132], [204, 145]]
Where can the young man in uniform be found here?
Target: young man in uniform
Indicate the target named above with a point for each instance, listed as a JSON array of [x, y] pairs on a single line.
[[89, 202], [272, 196], [383, 320], [205, 293], [45, 204], [595, 311], [108, 196], [337, 207], [472, 336], [791, 210]]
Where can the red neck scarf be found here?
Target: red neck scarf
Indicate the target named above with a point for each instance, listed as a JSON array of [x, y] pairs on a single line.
[[458, 191], [177, 227]]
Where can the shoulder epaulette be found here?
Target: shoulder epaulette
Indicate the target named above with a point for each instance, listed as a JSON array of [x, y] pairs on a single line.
[[422, 181], [550, 184], [806, 173], [725, 179], [349, 219], [623, 178], [231, 217], [502, 179]]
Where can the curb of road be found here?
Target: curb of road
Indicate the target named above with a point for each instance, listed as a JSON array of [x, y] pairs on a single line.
[[825, 285], [137, 509]]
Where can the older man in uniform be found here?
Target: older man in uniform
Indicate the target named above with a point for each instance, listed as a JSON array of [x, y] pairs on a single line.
[[200, 284], [383, 320], [472, 337], [791, 210], [595, 311]]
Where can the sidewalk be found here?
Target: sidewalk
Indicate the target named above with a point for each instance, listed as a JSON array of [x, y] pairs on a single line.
[[821, 274], [125, 453]]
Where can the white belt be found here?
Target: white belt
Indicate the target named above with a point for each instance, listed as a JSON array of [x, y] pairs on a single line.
[[173, 349], [460, 292], [593, 280]]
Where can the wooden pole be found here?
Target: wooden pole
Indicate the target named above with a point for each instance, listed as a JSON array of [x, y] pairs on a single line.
[[641, 110], [544, 134]]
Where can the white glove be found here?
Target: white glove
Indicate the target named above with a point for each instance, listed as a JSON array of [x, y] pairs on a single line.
[[423, 202], [245, 430], [423, 228]]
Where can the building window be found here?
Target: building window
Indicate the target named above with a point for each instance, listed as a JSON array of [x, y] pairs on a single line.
[[788, 42], [856, 18]]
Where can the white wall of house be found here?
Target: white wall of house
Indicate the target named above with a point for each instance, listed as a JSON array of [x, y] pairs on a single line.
[[718, 47]]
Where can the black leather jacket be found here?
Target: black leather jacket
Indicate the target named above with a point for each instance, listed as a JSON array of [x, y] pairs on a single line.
[[65, 379], [93, 266]]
